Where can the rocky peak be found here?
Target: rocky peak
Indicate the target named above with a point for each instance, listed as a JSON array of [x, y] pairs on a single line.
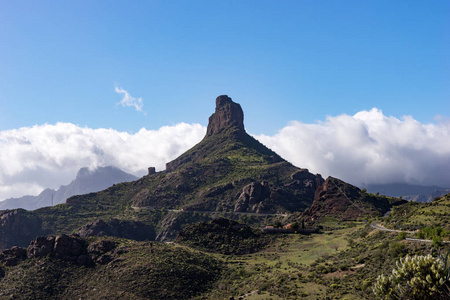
[[227, 114]]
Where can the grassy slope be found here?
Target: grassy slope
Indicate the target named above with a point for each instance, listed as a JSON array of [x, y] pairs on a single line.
[[140, 270], [415, 215], [340, 264], [230, 157]]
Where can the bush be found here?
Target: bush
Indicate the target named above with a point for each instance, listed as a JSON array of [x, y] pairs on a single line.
[[401, 236], [396, 248], [416, 277]]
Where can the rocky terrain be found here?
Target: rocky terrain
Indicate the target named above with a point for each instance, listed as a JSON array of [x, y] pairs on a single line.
[[335, 198], [223, 236], [70, 267]]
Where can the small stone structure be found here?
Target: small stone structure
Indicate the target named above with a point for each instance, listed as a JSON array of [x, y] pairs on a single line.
[[151, 170]]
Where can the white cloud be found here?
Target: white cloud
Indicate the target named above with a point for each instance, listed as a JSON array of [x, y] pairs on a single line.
[[368, 147], [128, 100], [34, 158]]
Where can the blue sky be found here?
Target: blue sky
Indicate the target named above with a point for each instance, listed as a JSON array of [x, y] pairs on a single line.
[[358, 90], [60, 61]]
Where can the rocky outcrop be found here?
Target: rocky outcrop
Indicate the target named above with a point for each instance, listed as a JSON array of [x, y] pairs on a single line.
[[262, 197], [129, 229], [18, 227], [225, 134], [11, 257], [151, 170], [338, 199], [252, 197], [100, 251], [68, 248], [335, 198], [227, 114]]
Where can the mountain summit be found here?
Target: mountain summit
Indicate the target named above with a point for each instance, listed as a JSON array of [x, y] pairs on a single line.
[[228, 113], [226, 141], [229, 170]]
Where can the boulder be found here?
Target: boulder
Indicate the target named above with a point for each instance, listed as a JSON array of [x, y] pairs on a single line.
[[68, 248], [11, 257], [41, 246]]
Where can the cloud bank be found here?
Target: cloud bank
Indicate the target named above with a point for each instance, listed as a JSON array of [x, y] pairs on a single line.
[[365, 148], [368, 148], [34, 158], [128, 100]]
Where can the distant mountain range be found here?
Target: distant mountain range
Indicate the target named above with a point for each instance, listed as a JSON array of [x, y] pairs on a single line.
[[410, 192], [86, 181]]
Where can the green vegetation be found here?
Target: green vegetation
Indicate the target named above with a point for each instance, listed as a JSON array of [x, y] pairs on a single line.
[[434, 233], [416, 277], [223, 236], [415, 215], [133, 270], [223, 259]]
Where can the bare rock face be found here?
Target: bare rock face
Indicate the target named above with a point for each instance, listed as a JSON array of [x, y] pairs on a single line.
[[65, 247], [251, 197], [68, 247], [228, 113], [334, 199], [338, 199], [10, 257], [17, 228], [41, 246]]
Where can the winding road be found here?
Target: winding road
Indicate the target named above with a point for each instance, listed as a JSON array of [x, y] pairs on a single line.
[[379, 227]]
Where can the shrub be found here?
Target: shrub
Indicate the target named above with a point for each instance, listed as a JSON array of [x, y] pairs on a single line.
[[401, 236], [416, 277], [396, 249]]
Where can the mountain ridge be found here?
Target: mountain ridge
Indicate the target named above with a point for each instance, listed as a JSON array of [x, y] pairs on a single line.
[[86, 181], [410, 192]]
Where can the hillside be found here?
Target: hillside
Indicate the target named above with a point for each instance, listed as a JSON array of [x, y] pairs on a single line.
[[223, 236], [340, 263], [415, 215], [340, 200], [69, 267], [86, 181]]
